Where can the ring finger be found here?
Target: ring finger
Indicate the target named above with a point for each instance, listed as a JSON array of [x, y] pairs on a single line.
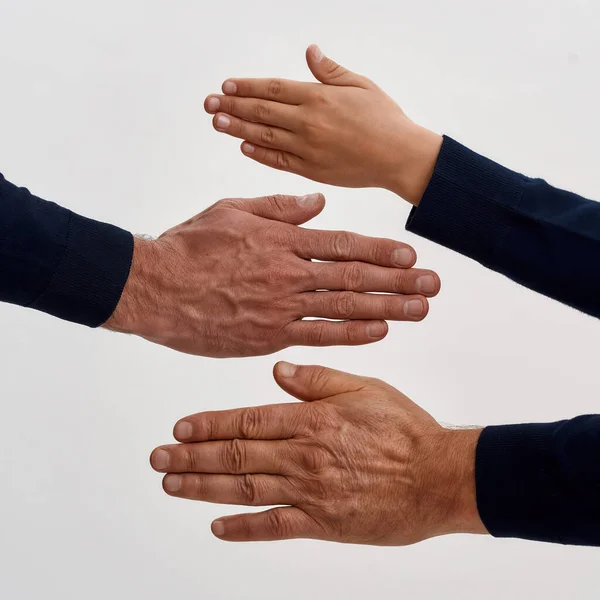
[[241, 490], [255, 110], [255, 133], [350, 305]]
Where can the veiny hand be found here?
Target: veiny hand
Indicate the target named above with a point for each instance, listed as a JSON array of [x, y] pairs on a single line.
[[344, 131], [358, 462], [237, 280]]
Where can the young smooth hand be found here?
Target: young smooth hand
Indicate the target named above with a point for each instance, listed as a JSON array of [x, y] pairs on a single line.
[[239, 278], [356, 462], [343, 131]]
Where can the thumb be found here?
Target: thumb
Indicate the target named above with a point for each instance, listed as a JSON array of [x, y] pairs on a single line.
[[310, 383], [288, 209], [328, 71]]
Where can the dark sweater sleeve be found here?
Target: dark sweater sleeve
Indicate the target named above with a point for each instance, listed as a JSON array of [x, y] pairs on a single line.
[[541, 481], [541, 237], [537, 481], [58, 262]]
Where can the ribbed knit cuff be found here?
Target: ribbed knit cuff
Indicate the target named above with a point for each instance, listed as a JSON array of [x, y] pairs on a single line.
[[518, 483], [469, 203], [91, 275]]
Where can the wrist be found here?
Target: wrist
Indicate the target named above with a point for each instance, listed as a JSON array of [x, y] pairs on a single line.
[[419, 149], [451, 482], [127, 316]]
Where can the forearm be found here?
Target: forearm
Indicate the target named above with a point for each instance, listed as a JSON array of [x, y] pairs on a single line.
[[541, 237], [58, 262]]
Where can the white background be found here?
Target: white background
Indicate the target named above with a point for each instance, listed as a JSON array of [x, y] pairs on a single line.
[[101, 110]]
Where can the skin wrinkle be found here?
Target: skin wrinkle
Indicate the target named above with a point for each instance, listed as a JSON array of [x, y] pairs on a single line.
[[232, 281], [364, 465]]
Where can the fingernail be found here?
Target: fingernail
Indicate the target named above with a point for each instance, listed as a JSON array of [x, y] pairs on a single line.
[[229, 87], [172, 483], [218, 528], [376, 330], [287, 369], [318, 54], [183, 430], [426, 284], [403, 257], [160, 459], [308, 200], [213, 104], [413, 308], [223, 122], [248, 148]]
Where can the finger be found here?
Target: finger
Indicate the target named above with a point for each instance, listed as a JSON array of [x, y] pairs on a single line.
[[276, 159], [328, 71], [288, 209], [256, 133], [254, 110], [234, 457], [243, 490], [362, 277], [274, 422], [351, 305], [274, 89], [345, 246], [312, 382], [331, 333], [275, 524]]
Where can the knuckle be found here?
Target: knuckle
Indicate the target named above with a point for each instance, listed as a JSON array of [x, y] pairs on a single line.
[[274, 88], [343, 244], [189, 460], [312, 461], [267, 135], [334, 70], [233, 457], [277, 524], [248, 423], [317, 378], [229, 104], [261, 110], [344, 305], [317, 335], [247, 490], [399, 280], [278, 201], [353, 276], [282, 161], [200, 487]]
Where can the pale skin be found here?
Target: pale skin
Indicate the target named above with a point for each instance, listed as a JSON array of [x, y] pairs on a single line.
[[356, 462], [342, 131], [239, 278]]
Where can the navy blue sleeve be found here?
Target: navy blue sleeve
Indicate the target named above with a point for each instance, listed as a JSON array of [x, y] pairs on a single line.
[[541, 237], [535, 481], [541, 481], [58, 262]]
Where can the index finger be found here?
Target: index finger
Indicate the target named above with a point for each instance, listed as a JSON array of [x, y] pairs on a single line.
[[285, 91], [274, 422]]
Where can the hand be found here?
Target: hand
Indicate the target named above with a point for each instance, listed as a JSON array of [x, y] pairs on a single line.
[[345, 131], [237, 280], [358, 462]]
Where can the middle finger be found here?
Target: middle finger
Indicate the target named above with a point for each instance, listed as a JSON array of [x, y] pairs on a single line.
[[235, 457]]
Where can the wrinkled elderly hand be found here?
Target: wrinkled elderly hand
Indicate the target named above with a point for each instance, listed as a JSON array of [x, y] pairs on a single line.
[[343, 131], [356, 462], [238, 279]]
